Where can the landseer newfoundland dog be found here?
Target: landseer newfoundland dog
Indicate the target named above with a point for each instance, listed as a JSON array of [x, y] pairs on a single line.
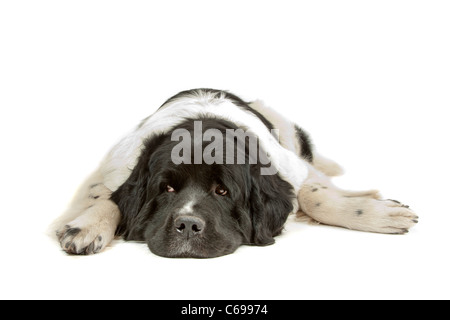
[[208, 172]]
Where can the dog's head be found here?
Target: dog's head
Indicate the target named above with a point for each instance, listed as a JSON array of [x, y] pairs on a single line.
[[200, 210]]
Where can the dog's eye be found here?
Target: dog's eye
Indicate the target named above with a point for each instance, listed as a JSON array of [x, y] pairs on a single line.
[[221, 191], [170, 189]]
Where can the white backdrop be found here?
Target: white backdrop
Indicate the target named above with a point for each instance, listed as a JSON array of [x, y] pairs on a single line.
[[369, 80]]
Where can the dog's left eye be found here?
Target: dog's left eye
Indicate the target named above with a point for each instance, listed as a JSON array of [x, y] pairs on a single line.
[[221, 191], [170, 189]]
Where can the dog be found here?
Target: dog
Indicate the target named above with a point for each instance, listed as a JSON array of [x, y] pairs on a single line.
[[209, 172]]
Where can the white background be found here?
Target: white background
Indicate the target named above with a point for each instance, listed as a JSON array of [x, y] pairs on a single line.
[[369, 80]]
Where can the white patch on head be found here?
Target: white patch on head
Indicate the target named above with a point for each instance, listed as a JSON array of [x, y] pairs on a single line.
[[188, 207]]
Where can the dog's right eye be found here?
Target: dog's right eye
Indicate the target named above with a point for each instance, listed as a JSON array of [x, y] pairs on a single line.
[[170, 189]]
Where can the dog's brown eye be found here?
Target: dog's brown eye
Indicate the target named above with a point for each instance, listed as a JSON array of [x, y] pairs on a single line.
[[221, 191], [170, 189]]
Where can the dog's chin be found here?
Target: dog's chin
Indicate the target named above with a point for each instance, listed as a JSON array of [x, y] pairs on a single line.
[[191, 255], [188, 249]]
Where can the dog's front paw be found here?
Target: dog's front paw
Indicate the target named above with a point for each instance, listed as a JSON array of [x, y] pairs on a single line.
[[92, 231], [400, 217], [81, 241], [389, 216]]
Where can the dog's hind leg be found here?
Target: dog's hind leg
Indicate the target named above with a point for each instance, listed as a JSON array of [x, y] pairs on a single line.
[[89, 224], [327, 166], [358, 210]]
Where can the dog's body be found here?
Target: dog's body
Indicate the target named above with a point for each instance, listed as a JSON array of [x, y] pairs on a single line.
[[196, 207]]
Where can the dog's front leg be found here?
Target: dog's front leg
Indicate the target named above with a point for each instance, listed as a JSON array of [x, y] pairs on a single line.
[[360, 210], [93, 225]]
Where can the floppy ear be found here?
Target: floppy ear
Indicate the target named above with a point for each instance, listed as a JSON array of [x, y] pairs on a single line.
[[270, 204], [132, 200], [135, 196]]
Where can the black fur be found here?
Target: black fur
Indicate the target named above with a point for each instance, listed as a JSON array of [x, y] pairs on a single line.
[[306, 146], [252, 212]]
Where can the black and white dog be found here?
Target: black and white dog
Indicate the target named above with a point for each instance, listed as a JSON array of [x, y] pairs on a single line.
[[209, 172]]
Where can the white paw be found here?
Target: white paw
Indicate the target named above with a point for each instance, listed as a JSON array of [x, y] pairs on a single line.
[[82, 241], [92, 231], [385, 216]]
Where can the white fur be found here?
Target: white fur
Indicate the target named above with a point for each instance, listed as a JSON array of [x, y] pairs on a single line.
[[188, 208], [287, 134]]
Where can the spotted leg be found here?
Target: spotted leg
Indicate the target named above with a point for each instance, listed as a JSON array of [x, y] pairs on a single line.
[[90, 223], [361, 210]]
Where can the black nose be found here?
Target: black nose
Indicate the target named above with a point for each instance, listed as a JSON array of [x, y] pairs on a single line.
[[189, 226]]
